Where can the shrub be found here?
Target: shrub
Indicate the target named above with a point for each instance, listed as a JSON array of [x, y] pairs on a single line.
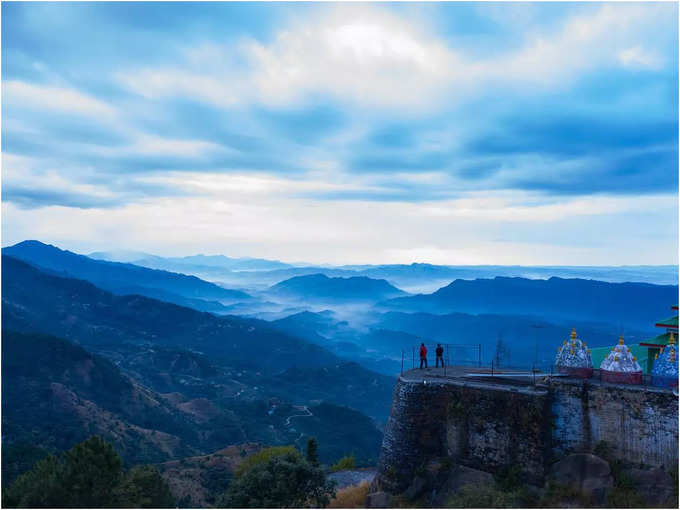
[[351, 497], [470, 496], [262, 457], [143, 487], [347, 462], [282, 481]]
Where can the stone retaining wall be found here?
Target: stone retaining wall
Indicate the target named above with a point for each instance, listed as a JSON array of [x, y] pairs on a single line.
[[488, 426]]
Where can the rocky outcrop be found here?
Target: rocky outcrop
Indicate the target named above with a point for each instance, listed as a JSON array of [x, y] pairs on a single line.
[[444, 430], [585, 473], [379, 499], [475, 425], [655, 486]]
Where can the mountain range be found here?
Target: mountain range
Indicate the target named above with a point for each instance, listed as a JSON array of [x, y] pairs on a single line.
[[80, 311], [124, 278], [634, 305], [319, 287], [230, 379]]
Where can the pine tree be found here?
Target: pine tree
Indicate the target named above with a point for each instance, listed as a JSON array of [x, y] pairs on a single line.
[[143, 487], [283, 481], [313, 451]]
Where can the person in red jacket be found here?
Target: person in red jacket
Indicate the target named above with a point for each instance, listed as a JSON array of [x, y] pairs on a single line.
[[423, 355]]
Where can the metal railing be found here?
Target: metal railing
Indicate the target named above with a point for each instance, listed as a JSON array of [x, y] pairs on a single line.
[[475, 360], [533, 374]]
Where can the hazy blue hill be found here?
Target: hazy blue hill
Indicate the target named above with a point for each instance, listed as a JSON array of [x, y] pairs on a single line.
[[119, 255], [360, 388], [55, 393], [351, 432], [319, 287], [74, 309], [412, 274], [203, 305], [624, 304], [212, 264], [527, 337], [116, 276], [316, 327]]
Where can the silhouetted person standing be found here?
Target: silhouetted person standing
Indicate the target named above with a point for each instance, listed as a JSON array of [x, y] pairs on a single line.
[[440, 355], [423, 355]]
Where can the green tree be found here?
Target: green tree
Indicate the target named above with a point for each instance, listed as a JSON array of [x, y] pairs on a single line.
[[312, 451], [91, 471], [283, 481], [347, 462], [89, 475], [262, 457], [143, 487], [41, 487]]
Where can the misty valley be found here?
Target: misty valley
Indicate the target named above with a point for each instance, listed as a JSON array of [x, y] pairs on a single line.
[[172, 361]]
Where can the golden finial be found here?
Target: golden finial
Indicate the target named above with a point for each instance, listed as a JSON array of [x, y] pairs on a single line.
[[671, 339], [564, 343], [559, 349], [634, 358], [628, 349], [571, 351], [656, 356], [588, 351], [573, 333], [616, 358], [621, 340]]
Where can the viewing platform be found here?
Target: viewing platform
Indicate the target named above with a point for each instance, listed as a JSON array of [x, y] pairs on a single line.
[[514, 377]]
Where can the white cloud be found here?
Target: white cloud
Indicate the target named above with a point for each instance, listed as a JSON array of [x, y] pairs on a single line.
[[471, 231], [43, 97], [638, 58], [376, 58], [150, 145]]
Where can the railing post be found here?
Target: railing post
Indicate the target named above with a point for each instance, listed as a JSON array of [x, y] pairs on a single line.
[[491, 368], [479, 355]]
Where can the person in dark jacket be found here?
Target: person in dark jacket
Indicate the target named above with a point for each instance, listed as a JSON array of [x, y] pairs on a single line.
[[440, 355], [423, 355]]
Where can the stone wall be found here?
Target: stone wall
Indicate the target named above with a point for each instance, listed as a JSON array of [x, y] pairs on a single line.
[[482, 426], [639, 424], [488, 426]]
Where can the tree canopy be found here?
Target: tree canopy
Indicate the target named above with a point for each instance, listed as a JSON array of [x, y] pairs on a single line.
[[284, 480], [89, 475]]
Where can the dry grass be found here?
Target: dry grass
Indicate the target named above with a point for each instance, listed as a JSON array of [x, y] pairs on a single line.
[[351, 497]]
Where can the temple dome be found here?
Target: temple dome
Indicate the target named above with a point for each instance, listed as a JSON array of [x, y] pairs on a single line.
[[573, 357], [665, 369], [621, 366]]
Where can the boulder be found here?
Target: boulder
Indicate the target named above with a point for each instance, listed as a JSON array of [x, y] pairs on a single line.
[[655, 486], [468, 476], [417, 487], [379, 500], [458, 477], [587, 473]]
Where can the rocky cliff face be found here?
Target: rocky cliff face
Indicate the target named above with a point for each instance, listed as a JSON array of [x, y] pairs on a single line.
[[442, 424]]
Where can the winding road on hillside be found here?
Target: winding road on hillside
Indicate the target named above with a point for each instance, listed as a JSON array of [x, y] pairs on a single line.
[[299, 408]]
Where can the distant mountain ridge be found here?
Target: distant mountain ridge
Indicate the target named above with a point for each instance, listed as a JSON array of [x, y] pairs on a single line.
[[199, 262], [36, 301], [120, 277], [56, 393], [321, 287], [628, 304]]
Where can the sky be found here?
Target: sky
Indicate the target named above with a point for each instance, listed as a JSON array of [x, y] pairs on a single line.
[[449, 133]]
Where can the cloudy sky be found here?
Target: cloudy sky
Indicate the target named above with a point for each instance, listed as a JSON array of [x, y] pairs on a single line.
[[355, 133]]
